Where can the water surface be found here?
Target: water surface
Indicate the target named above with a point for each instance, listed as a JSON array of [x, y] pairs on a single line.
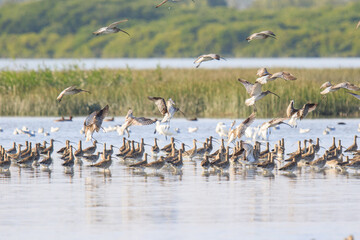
[[245, 204]]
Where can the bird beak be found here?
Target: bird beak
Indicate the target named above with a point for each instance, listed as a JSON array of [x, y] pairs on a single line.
[[223, 58], [275, 94]]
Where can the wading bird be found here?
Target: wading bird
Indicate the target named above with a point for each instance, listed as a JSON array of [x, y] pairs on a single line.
[[93, 122], [254, 90], [112, 28], [130, 120], [261, 35], [295, 114], [70, 91], [207, 57]]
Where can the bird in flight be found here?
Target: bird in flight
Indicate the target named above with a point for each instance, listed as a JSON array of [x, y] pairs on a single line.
[[265, 76], [207, 57], [301, 113], [261, 35], [167, 109], [163, 2], [239, 131], [254, 90], [332, 88], [112, 28], [93, 122], [70, 91], [130, 120]]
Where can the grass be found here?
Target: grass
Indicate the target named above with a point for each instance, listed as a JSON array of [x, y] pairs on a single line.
[[198, 92]]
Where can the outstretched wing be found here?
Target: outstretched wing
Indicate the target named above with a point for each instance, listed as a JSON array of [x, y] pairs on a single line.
[[160, 103], [240, 130], [248, 86], [141, 121], [116, 23], [284, 75]]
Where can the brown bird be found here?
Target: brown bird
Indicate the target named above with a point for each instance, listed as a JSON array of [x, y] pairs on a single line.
[[332, 88], [261, 35], [112, 28], [239, 131], [295, 114], [207, 57], [265, 76], [70, 91], [93, 122], [130, 120]]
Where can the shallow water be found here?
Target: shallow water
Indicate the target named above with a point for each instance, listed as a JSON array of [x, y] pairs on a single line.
[[153, 63], [244, 204]]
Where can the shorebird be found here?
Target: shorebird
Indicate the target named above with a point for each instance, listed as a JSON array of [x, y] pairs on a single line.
[[332, 88], [72, 90], [5, 163], [177, 164], [141, 164], [130, 120], [295, 114], [254, 90], [155, 149], [104, 164], [261, 35], [191, 153], [207, 57], [91, 149], [64, 149], [47, 161], [156, 164], [167, 109], [353, 147], [112, 28], [93, 122], [320, 162], [239, 131], [205, 164], [272, 123], [92, 158], [289, 167], [163, 129], [265, 76], [12, 150], [220, 129], [269, 165], [69, 164]]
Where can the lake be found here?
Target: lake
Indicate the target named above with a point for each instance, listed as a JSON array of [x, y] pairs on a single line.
[[152, 63], [242, 203]]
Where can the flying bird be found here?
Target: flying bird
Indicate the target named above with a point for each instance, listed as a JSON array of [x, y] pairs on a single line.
[[112, 28], [70, 91], [295, 114], [332, 88], [130, 120], [207, 57], [167, 109], [254, 90], [163, 2], [261, 35], [265, 76], [93, 122], [239, 131]]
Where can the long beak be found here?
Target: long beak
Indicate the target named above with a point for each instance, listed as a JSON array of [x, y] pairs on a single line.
[[125, 32], [223, 58], [274, 94]]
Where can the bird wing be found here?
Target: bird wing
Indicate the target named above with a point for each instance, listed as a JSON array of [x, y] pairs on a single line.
[[116, 23], [326, 85], [291, 110], [306, 109], [99, 117], [283, 75], [160, 103], [240, 130], [61, 95], [352, 87], [160, 4], [141, 121], [196, 60], [355, 95], [256, 90], [248, 86], [268, 33], [327, 90], [90, 119]]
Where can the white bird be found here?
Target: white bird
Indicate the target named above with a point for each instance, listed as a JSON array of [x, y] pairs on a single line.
[[162, 130], [112, 28], [167, 109], [207, 57], [192, 129], [261, 35], [54, 129], [70, 91], [220, 129], [41, 130], [304, 130]]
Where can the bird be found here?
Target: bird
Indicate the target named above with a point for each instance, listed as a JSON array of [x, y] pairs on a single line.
[[47, 161], [207, 57], [220, 129], [92, 157], [93, 122], [167, 109], [353, 147], [239, 131], [12, 150], [104, 164], [295, 114], [112, 28], [254, 90], [91, 149], [332, 88], [272, 123], [265, 76], [72, 90], [158, 164], [261, 35], [163, 2], [130, 120], [141, 164]]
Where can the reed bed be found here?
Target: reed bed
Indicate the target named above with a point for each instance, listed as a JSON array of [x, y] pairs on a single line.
[[198, 92]]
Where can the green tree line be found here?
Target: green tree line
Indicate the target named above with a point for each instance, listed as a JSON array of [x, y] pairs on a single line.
[[63, 29]]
